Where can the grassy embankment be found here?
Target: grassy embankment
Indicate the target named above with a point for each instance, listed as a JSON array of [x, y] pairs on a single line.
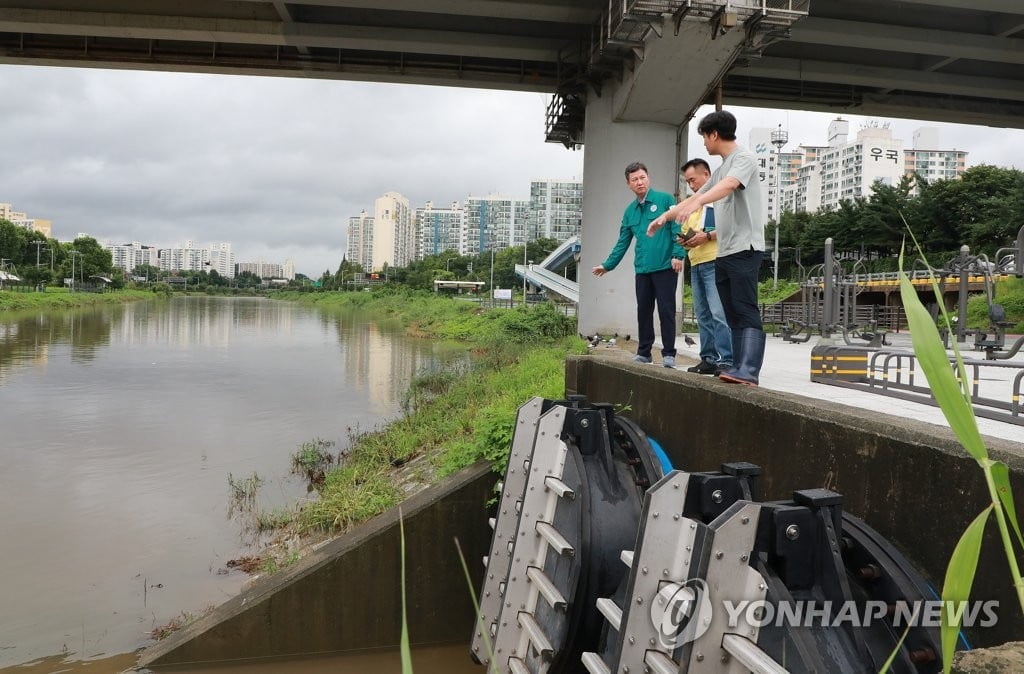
[[454, 418], [59, 298], [1009, 293]]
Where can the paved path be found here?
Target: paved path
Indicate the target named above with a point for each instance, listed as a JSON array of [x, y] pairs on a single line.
[[787, 368]]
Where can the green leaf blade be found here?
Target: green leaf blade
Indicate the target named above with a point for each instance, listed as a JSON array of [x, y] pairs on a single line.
[[934, 362], [963, 564], [1001, 477]]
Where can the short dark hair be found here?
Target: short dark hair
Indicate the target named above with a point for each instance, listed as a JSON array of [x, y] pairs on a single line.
[[634, 167], [721, 122], [695, 163]]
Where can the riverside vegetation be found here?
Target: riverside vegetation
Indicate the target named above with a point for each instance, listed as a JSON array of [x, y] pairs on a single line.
[[453, 418], [59, 298]]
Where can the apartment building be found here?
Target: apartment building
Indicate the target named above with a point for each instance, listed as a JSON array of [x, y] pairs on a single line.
[[438, 229], [556, 209], [494, 223], [394, 242], [360, 240]]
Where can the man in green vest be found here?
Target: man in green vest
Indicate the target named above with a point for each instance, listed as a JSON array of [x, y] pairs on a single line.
[[658, 259]]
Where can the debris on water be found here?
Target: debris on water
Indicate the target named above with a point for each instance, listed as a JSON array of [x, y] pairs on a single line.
[[248, 564]]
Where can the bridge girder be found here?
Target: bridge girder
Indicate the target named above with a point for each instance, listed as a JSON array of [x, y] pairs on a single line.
[[941, 60]]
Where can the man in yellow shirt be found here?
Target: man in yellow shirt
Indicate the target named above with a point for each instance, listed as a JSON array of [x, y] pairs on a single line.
[[715, 334]]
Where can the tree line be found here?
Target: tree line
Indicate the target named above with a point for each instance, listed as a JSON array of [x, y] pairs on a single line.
[[36, 258], [983, 209]]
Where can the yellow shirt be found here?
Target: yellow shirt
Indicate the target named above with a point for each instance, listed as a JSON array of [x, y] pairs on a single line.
[[706, 251]]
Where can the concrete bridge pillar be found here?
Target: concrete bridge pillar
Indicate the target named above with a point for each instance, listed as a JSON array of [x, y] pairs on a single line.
[[608, 304]]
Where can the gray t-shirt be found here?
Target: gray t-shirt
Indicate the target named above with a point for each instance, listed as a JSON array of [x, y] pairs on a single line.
[[740, 217]]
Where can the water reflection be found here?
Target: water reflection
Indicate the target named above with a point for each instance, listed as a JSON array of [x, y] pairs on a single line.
[[120, 427], [26, 340]]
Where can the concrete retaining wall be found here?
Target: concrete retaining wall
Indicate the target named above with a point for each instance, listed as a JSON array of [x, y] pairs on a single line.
[[910, 481], [346, 596]]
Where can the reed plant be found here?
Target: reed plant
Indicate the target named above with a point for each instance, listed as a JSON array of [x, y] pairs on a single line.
[[951, 388]]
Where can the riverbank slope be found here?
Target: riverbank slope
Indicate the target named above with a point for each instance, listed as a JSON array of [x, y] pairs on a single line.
[[58, 298]]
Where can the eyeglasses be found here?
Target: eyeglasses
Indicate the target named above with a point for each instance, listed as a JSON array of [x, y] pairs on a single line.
[[638, 179]]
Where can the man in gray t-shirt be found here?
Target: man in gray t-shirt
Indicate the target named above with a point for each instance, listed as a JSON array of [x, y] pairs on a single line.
[[739, 229]]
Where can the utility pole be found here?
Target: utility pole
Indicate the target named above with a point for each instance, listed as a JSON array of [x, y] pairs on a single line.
[[779, 138], [38, 244]]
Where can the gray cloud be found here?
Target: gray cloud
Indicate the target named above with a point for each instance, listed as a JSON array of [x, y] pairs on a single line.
[[276, 166]]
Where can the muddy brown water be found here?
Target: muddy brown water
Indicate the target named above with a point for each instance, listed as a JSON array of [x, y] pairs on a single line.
[[119, 428]]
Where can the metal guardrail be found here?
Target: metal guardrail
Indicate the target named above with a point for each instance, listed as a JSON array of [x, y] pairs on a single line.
[[890, 318], [893, 372]]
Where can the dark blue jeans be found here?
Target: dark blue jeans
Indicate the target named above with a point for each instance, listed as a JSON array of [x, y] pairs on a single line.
[[657, 287], [736, 279]]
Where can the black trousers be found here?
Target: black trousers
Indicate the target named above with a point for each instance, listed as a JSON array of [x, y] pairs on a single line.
[[657, 287], [736, 279]]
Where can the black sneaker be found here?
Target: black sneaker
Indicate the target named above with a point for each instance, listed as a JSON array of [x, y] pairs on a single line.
[[719, 369], [703, 367]]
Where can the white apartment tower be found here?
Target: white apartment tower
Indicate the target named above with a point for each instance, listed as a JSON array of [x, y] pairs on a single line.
[[217, 257], [131, 255], [494, 223], [927, 160], [393, 235], [849, 169], [360, 240], [438, 229], [556, 209], [222, 259]]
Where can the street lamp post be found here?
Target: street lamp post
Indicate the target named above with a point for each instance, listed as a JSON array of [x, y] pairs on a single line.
[[73, 254], [779, 138], [491, 286]]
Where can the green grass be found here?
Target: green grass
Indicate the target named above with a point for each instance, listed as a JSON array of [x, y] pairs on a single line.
[[59, 298], [1010, 294], [312, 457]]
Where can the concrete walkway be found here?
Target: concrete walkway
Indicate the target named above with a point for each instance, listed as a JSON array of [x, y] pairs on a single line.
[[787, 368]]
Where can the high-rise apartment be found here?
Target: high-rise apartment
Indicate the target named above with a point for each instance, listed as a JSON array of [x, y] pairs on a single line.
[[128, 256], [927, 160], [360, 240], [393, 237], [556, 209], [494, 223], [438, 229], [216, 257], [846, 169]]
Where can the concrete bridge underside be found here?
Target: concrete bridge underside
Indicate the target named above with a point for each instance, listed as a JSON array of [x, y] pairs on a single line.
[[943, 60]]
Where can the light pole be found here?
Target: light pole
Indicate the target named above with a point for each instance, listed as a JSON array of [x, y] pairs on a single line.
[[779, 138], [491, 286], [73, 253], [448, 262], [524, 273]]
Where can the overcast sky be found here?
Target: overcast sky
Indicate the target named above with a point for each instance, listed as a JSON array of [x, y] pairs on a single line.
[[277, 165]]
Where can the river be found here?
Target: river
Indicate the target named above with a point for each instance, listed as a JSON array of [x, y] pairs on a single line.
[[119, 428]]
